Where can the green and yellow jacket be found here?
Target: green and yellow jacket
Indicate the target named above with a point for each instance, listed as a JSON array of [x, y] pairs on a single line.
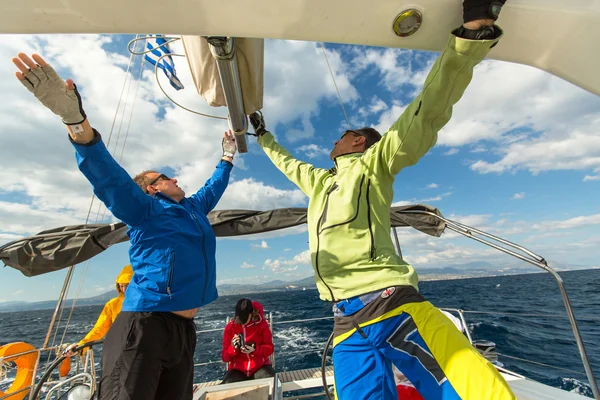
[[349, 205]]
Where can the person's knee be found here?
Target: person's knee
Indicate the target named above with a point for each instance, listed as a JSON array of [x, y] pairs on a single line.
[[234, 375], [265, 372]]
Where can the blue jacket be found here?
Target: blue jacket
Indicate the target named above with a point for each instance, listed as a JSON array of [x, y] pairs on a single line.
[[173, 245]]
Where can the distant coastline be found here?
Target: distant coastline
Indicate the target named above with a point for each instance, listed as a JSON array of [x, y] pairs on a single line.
[[468, 271]]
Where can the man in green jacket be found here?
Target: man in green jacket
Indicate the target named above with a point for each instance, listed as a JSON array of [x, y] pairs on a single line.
[[380, 316]]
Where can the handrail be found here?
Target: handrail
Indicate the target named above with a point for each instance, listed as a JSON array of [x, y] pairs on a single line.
[[533, 259]]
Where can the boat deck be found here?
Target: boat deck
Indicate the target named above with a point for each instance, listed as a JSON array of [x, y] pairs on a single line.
[[284, 377]]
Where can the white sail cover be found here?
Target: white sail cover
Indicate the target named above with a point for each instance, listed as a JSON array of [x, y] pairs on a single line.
[[250, 56]]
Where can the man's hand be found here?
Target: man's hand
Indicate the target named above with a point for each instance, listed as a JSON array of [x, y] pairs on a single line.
[[60, 97], [68, 351], [229, 146], [258, 123], [478, 14]]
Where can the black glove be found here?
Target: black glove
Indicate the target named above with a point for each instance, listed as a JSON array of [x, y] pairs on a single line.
[[481, 9], [258, 123]]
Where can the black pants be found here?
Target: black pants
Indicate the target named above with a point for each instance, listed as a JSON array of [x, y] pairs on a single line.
[[234, 375], [148, 355]]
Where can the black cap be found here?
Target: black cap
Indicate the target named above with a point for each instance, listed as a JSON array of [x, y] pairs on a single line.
[[243, 309]]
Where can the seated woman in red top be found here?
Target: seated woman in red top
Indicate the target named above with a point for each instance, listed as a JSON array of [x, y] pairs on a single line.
[[247, 344]]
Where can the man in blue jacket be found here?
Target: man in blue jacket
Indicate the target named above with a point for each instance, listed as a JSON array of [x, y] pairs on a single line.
[[148, 352]]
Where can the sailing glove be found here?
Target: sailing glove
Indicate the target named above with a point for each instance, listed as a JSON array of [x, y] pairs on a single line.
[[481, 9], [258, 123], [229, 146], [50, 90]]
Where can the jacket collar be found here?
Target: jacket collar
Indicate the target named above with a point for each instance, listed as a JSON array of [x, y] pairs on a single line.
[[345, 160], [162, 196]]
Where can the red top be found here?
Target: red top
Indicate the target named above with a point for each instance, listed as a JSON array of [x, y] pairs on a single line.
[[256, 331]]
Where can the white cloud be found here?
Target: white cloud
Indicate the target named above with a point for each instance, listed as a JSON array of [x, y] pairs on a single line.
[[388, 117], [534, 121], [245, 265], [18, 292], [313, 151], [254, 195], [571, 223], [591, 178], [432, 186], [451, 152], [284, 102], [263, 245], [439, 197], [518, 196], [286, 265]]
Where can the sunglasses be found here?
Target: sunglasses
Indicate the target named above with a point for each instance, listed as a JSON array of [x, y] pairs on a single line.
[[161, 176], [350, 131]]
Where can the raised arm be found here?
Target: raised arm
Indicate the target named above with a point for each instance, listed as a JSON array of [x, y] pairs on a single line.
[[111, 183], [302, 174], [415, 131], [209, 195]]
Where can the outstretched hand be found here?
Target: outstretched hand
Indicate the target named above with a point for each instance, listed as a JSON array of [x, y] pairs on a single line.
[[481, 13], [60, 97], [229, 145]]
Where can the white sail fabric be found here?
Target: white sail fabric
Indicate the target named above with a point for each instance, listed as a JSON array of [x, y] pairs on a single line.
[[250, 59]]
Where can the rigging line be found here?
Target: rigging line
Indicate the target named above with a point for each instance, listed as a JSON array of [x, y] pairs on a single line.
[[124, 108], [579, 317], [132, 108], [168, 40], [120, 97], [541, 364], [170, 98], [335, 84], [62, 309]]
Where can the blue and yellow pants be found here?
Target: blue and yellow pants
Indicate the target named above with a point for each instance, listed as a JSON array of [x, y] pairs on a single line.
[[422, 343]]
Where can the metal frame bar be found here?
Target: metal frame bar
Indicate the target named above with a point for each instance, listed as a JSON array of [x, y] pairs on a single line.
[[84, 375], [531, 258], [223, 50]]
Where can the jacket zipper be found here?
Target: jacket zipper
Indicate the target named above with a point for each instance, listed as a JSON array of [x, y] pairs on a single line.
[[247, 355], [170, 279], [204, 254], [319, 230], [369, 220]]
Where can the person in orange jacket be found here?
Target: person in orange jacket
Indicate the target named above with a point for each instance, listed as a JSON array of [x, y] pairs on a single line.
[[247, 344], [109, 313]]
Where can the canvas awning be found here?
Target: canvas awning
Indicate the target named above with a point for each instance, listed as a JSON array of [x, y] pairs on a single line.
[[58, 248]]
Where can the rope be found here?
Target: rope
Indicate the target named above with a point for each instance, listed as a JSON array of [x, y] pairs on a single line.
[[530, 314], [132, 108], [336, 86], [5, 366], [541, 364], [301, 320]]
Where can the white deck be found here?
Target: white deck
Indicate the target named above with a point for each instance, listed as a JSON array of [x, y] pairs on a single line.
[[524, 389]]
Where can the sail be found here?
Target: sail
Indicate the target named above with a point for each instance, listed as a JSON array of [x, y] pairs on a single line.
[[203, 66], [58, 248]]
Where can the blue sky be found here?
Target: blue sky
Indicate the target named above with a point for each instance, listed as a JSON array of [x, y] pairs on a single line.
[[520, 157]]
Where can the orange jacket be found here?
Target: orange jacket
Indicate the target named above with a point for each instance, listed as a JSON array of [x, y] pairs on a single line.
[[110, 311], [256, 331]]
